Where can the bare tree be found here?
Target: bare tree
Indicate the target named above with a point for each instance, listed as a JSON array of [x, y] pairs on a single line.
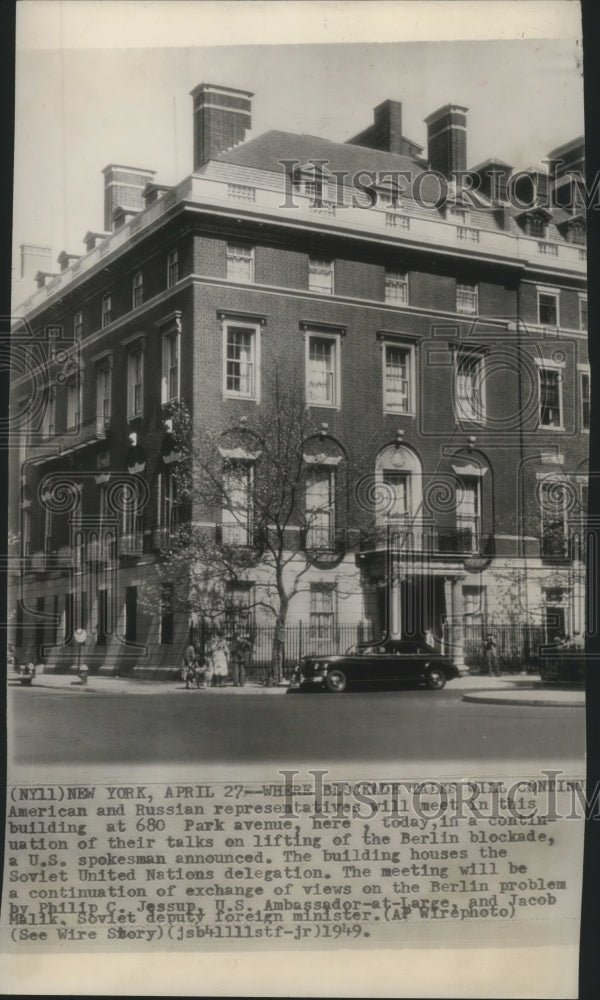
[[269, 495]]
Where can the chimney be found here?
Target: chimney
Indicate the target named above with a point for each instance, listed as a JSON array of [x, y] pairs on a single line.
[[123, 187], [222, 115], [568, 173], [34, 258], [386, 132], [447, 139]]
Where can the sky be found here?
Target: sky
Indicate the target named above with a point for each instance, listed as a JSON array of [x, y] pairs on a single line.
[[85, 97]]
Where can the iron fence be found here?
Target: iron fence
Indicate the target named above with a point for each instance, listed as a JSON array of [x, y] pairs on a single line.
[[518, 646]]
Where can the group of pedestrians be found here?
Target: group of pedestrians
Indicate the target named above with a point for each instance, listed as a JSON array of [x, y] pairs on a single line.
[[221, 658]]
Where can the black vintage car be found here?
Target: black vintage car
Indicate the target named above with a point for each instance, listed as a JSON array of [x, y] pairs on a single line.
[[386, 662]]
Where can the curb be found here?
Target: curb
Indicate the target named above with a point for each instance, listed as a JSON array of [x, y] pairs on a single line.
[[489, 699]]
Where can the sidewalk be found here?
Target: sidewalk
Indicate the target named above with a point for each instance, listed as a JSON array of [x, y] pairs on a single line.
[[131, 685], [511, 689], [515, 689]]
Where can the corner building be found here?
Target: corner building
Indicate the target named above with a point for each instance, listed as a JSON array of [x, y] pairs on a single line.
[[441, 340]]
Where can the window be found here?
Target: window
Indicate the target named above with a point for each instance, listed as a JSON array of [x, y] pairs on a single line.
[[166, 614], [49, 418], [239, 604], [236, 514], [138, 289], [172, 268], [131, 523], [550, 397], [170, 388], [548, 308], [47, 528], [168, 499], [583, 312], [396, 493], [578, 234], [537, 225], [473, 605], [584, 397], [467, 513], [72, 403], [240, 263], [398, 378], [241, 345], [130, 614], [396, 286], [103, 393], [322, 371], [320, 508], [322, 610], [106, 309], [467, 299], [320, 275], [553, 498], [78, 325], [102, 617], [470, 399], [25, 531], [135, 383]]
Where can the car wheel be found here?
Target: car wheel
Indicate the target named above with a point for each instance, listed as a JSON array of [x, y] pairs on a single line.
[[436, 679], [336, 681]]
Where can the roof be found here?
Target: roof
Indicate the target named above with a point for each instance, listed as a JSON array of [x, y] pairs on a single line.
[[267, 150]]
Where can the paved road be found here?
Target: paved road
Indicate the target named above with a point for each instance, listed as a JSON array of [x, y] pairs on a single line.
[[54, 726]]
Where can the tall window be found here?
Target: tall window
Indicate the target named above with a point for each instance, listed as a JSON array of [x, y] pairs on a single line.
[[396, 286], [548, 308], [166, 613], [240, 263], [241, 353], [467, 299], [468, 512], [584, 395], [320, 275], [78, 325], [137, 289], [320, 508], [398, 378], [236, 513], [103, 393], [25, 531], [470, 397], [168, 499], [322, 371], [583, 312], [106, 309], [397, 503], [49, 418], [551, 414], [172, 268], [170, 366], [322, 610], [131, 525], [553, 499], [73, 402], [135, 382]]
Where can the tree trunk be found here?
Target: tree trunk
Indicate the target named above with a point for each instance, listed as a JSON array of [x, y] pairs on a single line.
[[277, 649]]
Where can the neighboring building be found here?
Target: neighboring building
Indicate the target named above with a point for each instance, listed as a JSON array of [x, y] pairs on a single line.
[[444, 346]]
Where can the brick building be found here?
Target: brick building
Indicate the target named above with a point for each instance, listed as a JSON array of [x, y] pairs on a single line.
[[441, 341]]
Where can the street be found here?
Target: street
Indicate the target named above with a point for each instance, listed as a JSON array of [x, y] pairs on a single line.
[[57, 726]]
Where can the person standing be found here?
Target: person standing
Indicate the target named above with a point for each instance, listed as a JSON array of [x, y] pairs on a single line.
[[490, 655], [220, 659], [189, 666], [240, 648]]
